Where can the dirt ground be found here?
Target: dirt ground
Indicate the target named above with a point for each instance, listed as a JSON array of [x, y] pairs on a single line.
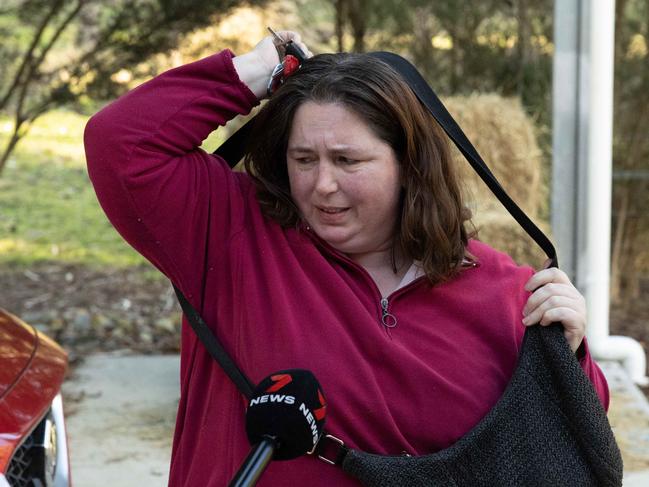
[[88, 310]]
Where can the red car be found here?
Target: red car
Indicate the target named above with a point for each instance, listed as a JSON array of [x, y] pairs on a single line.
[[33, 443]]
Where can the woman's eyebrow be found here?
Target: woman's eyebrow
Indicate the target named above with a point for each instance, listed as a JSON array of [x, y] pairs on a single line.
[[298, 149], [336, 149]]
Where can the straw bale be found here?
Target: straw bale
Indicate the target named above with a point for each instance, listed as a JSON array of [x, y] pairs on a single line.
[[505, 137], [501, 231]]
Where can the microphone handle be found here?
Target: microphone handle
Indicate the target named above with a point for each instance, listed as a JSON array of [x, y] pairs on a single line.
[[255, 463]]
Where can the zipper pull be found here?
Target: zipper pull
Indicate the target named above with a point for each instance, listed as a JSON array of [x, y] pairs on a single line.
[[387, 318]]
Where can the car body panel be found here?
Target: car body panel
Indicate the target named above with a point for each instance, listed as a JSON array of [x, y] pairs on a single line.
[[17, 345], [36, 369]]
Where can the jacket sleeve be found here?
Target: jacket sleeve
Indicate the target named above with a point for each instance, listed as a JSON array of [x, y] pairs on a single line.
[[164, 195], [594, 373]]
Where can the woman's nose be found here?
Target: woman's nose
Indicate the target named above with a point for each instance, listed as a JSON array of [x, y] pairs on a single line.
[[326, 182]]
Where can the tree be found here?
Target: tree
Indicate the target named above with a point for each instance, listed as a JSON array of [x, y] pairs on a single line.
[[462, 45], [630, 258], [57, 51]]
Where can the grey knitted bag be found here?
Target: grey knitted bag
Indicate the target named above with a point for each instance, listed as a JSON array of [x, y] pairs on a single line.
[[548, 429]]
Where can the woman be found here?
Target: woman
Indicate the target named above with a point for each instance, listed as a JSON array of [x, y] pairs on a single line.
[[342, 251]]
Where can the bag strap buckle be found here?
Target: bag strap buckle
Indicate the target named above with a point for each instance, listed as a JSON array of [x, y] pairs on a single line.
[[330, 449]]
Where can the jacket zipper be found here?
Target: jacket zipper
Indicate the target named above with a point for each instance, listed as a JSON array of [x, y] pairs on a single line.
[[387, 319]]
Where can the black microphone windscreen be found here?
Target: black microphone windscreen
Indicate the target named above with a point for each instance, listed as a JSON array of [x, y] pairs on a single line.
[[290, 406]]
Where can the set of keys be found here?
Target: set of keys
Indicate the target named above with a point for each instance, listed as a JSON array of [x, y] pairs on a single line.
[[293, 58]]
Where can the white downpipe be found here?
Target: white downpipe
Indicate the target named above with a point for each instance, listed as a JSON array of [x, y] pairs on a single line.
[[595, 271], [625, 350]]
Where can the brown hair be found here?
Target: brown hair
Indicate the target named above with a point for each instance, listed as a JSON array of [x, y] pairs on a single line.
[[432, 222]]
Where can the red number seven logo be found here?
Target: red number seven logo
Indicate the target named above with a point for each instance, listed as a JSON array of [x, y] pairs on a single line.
[[280, 380], [320, 412]]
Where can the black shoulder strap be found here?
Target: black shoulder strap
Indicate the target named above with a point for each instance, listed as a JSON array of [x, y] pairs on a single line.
[[232, 151], [214, 347], [430, 100]]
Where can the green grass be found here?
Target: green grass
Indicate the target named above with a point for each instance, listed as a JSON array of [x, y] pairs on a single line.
[[48, 209]]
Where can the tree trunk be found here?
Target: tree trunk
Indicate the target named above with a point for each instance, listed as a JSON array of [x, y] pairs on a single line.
[[422, 49], [631, 277], [340, 23], [619, 239], [27, 62], [9, 148], [620, 6], [456, 60], [357, 14], [523, 45], [28, 73]]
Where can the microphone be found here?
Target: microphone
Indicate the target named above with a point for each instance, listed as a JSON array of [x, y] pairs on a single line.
[[284, 420]]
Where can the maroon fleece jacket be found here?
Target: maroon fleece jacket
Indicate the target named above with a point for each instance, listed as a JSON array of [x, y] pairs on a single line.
[[281, 298]]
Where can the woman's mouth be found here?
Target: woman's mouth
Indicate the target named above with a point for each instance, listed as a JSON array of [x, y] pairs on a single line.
[[331, 211], [331, 214]]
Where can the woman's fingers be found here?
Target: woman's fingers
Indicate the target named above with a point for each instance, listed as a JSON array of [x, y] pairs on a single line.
[[256, 67], [267, 50], [297, 39], [552, 308], [546, 276], [555, 299], [547, 291]]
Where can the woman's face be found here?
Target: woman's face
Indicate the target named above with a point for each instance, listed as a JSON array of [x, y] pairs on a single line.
[[343, 178]]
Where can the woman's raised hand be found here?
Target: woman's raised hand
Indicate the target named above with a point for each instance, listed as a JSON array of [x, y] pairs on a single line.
[[255, 67], [555, 299], [267, 48]]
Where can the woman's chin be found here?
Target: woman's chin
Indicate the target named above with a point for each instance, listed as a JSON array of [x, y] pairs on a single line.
[[336, 237]]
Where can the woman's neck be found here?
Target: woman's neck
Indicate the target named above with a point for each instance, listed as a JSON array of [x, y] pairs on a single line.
[[375, 260], [387, 270]]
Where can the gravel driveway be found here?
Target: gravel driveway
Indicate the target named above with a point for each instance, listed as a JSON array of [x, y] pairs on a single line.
[[120, 419]]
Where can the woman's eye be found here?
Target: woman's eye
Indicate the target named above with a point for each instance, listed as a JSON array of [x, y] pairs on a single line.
[[304, 160], [346, 160]]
